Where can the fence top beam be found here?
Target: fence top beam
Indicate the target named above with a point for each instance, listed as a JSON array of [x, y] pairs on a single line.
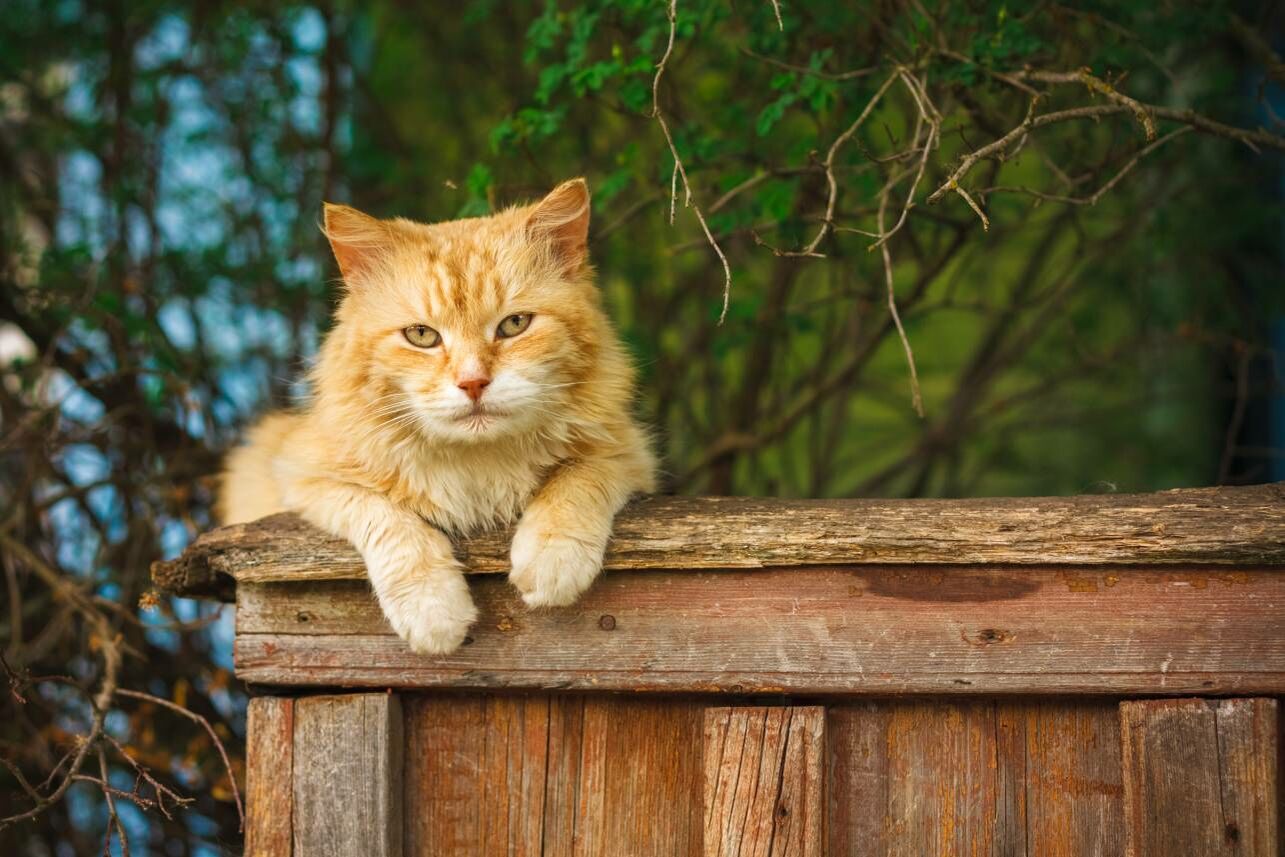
[[1202, 526]]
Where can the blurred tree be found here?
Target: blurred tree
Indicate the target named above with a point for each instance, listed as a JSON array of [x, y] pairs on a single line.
[[1054, 230]]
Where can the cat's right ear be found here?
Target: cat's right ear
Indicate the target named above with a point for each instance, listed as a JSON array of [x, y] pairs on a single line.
[[356, 239]]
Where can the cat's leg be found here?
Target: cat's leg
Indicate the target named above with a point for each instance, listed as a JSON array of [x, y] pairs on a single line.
[[558, 546], [419, 583]]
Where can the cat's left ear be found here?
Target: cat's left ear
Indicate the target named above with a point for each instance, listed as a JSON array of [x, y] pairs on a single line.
[[356, 239], [562, 218]]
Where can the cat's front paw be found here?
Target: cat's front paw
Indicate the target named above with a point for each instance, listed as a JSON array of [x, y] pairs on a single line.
[[552, 571], [432, 616]]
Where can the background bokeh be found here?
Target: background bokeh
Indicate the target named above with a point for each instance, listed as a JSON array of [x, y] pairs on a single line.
[[163, 280]]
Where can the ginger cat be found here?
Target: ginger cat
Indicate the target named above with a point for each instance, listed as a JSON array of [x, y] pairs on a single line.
[[471, 379]]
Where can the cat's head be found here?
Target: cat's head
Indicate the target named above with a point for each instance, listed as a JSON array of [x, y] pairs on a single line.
[[468, 330]]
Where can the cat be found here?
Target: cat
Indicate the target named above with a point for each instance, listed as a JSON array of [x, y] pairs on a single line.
[[471, 379]]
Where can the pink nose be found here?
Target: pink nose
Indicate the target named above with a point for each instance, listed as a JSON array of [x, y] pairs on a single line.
[[474, 387]]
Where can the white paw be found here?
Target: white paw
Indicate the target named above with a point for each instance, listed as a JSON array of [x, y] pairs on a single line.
[[432, 615], [552, 571]]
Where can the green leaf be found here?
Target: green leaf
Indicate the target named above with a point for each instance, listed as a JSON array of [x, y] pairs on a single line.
[[479, 180], [772, 113]]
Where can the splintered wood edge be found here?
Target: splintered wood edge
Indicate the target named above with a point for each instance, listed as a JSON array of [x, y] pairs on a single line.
[[1216, 526]]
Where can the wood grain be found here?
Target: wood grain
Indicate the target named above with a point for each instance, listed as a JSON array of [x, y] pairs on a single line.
[[348, 775], [1221, 526], [640, 783], [1202, 777], [1073, 780], [551, 775], [1004, 779], [475, 775], [764, 781], [269, 780], [863, 630]]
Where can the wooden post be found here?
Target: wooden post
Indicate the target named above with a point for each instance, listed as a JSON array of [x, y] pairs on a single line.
[[348, 775], [269, 777], [1201, 777]]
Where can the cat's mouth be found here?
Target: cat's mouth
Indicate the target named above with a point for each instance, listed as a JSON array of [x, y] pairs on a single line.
[[480, 417]]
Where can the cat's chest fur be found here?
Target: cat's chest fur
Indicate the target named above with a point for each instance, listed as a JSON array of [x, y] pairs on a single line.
[[466, 490]]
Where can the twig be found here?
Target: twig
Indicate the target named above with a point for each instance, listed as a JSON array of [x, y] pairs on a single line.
[[193, 716], [109, 647], [1092, 199], [989, 72], [838, 77], [996, 146], [827, 165], [679, 170], [1259, 49], [1095, 84], [753, 182], [915, 397], [776, 7], [927, 114], [113, 820], [162, 791]]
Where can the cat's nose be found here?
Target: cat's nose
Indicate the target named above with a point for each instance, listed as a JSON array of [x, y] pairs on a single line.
[[473, 386]]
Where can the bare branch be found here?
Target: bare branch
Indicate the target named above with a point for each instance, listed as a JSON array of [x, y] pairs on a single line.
[[776, 7], [113, 820], [679, 170], [108, 645], [205, 724], [1099, 86], [838, 77], [832, 195], [1092, 199], [915, 397]]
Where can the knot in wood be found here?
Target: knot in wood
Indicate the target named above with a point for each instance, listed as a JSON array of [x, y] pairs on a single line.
[[607, 623]]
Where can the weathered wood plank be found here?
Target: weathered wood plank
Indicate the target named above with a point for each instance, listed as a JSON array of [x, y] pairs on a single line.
[[556, 776], [348, 775], [1073, 779], [641, 784], [818, 630], [928, 785], [1004, 779], [1191, 526], [764, 776], [269, 782], [475, 775], [443, 811], [1202, 777]]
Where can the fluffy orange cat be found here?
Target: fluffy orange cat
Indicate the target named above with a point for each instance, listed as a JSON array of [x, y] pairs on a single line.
[[471, 379]]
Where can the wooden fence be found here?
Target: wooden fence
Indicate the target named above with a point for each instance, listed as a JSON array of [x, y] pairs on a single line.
[[1071, 676]]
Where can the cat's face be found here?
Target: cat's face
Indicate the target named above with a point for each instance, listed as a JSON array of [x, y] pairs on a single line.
[[471, 330]]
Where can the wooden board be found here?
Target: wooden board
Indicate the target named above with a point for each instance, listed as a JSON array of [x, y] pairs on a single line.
[[475, 775], [1202, 777], [764, 781], [554, 776], [871, 630], [965, 778], [1190, 526], [1073, 782], [269, 777], [348, 775]]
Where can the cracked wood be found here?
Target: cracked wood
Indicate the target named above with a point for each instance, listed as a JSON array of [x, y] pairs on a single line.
[[1219, 526]]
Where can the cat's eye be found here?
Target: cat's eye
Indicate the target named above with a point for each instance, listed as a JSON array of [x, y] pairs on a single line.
[[422, 336], [513, 325]]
